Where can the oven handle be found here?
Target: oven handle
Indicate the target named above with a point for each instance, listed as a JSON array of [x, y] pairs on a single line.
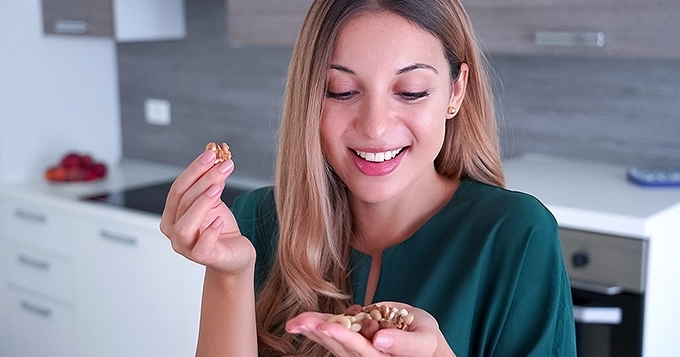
[[596, 288], [601, 315]]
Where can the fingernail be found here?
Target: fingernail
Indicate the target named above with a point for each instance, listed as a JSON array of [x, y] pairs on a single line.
[[299, 329], [225, 166], [213, 190], [325, 332], [216, 223], [383, 341], [208, 157]]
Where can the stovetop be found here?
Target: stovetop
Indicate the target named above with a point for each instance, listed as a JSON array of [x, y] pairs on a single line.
[[152, 198]]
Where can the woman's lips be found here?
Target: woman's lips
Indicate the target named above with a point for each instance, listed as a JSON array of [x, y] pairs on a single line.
[[377, 163]]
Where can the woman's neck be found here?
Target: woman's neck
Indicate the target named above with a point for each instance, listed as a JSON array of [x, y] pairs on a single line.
[[379, 226]]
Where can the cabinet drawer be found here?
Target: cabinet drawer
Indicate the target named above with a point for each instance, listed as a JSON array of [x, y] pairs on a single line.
[[35, 225], [39, 272], [127, 281], [38, 327]]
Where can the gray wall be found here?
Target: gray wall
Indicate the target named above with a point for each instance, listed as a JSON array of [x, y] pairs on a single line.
[[616, 110], [217, 93]]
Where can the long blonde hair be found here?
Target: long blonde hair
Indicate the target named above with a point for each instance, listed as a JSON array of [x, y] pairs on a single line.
[[310, 271]]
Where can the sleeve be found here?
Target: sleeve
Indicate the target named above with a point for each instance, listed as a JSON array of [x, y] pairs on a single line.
[[255, 213], [540, 319]]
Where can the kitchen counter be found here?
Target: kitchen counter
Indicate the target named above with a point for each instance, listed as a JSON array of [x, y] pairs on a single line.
[[129, 173], [592, 196]]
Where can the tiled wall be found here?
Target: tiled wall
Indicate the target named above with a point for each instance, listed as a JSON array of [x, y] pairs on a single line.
[[618, 110]]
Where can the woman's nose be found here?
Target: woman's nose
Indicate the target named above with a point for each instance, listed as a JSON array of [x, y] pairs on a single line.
[[375, 117]]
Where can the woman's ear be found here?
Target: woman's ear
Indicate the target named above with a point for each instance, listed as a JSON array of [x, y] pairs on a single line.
[[458, 91]]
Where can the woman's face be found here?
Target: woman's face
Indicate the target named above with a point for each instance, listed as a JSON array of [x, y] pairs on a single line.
[[385, 109]]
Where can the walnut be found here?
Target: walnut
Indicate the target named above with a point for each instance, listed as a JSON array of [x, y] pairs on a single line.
[[222, 152]]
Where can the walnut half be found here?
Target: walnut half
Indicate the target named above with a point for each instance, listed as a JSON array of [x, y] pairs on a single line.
[[222, 152]]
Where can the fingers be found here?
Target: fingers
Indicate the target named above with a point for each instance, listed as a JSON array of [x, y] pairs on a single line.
[[334, 337], [204, 249], [406, 343], [190, 204], [185, 180], [195, 218], [216, 175], [423, 339]]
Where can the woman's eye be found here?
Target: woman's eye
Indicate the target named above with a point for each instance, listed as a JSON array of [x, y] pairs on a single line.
[[341, 95], [414, 95]]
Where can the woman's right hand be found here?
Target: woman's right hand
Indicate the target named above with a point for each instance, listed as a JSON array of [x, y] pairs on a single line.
[[199, 225]]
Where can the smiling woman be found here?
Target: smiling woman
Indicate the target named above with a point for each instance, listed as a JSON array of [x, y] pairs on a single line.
[[387, 93], [388, 191]]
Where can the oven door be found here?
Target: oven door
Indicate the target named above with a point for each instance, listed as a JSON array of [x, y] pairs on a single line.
[[607, 277], [608, 325]]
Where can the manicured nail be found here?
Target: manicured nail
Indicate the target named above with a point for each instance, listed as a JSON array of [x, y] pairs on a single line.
[[383, 342], [213, 190], [208, 157], [299, 329], [216, 223], [225, 166]]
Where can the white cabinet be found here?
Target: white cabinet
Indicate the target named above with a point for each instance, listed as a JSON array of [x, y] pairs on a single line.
[[4, 295], [37, 282], [128, 290], [39, 326], [82, 279], [124, 20], [32, 222]]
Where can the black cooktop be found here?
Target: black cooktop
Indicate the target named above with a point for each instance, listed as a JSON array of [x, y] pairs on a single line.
[[152, 198]]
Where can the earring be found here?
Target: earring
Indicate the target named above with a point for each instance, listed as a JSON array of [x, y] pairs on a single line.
[[452, 112]]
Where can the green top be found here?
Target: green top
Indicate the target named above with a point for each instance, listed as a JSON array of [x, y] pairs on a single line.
[[488, 266]]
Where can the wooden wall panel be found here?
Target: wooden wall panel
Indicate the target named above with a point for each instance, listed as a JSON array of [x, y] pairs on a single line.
[[611, 109], [634, 29], [265, 22]]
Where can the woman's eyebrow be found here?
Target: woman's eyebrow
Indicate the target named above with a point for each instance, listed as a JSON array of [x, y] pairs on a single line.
[[417, 66], [401, 71], [341, 68]]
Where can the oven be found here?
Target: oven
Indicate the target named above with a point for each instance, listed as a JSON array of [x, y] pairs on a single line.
[[607, 275]]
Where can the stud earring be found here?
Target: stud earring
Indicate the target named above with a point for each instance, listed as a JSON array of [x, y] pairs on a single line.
[[452, 112]]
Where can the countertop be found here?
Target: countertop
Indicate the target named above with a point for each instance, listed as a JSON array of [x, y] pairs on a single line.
[[583, 195], [129, 173], [591, 196]]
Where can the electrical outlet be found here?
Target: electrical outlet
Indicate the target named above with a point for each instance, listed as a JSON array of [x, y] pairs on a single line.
[[157, 111]]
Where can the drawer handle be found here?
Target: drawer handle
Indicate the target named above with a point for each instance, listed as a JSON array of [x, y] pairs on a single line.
[[71, 26], [33, 262], [119, 238], [569, 38], [30, 216], [44, 312]]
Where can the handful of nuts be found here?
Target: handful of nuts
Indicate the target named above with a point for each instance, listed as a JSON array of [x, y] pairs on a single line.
[[222, 152], [368, 320]]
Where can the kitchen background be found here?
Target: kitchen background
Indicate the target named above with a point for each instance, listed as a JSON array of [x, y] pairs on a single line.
[[100, 267], [61, 93]]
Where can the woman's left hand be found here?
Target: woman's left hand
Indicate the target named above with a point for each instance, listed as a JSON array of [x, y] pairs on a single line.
[[423, 338]]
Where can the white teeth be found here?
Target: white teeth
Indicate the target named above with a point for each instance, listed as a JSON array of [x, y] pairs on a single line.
[[378, 156]]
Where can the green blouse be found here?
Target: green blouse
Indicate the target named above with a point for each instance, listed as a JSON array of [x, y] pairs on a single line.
[[488, 266]]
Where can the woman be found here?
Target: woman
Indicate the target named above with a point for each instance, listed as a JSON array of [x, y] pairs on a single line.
[[388, 188]]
